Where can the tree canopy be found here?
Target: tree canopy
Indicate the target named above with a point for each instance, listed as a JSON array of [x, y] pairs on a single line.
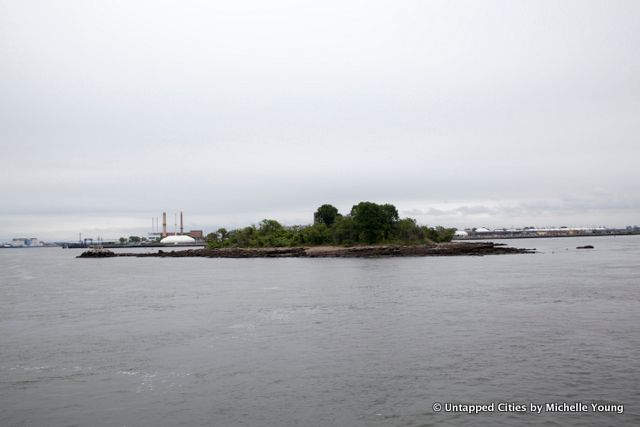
[[326, 214], [374, 222]]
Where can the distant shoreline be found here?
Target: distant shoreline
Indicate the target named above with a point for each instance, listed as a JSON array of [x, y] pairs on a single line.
[[203, 245], [492, 236], [362, 251]]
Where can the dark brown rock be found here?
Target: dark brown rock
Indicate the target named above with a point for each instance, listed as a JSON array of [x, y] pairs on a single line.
[[97, 253], [442, 249]]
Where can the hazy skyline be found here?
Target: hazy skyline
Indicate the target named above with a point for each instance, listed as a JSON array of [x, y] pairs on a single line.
[[461, 113]]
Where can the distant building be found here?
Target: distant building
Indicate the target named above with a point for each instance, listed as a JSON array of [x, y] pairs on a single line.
[[514, 233], [196, 234], [23, 242], [153, 236]]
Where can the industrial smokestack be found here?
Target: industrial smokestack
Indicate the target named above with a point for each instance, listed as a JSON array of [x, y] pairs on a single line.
[[164, 224], [181, 224]]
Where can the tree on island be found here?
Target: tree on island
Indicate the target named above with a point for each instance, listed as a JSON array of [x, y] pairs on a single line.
[[374, 222], [326, 214]]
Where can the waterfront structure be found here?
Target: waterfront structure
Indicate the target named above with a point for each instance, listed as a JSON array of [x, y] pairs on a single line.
[[515, 233], [196, 234], [23, 242], [177, 240]]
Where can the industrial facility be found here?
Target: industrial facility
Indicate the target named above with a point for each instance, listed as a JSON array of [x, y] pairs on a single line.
[[24, 242], [177, 237]]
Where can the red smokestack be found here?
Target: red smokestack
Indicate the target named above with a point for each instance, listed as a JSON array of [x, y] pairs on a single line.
[[164, 224]]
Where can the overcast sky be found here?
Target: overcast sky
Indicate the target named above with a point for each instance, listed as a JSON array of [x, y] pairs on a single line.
[[461, 113]]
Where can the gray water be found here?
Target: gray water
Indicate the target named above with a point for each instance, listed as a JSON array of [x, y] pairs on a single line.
[[319, 342]]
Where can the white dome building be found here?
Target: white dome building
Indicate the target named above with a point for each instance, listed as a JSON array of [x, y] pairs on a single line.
[[177, 240]]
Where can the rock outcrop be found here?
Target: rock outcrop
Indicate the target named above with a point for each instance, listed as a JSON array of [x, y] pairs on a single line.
[[97, 253], [441, 249]]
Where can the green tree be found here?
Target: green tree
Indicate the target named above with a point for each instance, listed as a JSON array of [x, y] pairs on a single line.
[[326, 214], [122, 240], [374, 222], [223, 234], [316, 234], [270, 227], [213, 240], [407, 230], [391, 219], [218, 238], [134, 239], [439, 234], [247, 237], [344, 231]]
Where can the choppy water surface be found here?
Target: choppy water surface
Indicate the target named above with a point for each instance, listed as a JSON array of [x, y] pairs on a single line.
[[319, 342]]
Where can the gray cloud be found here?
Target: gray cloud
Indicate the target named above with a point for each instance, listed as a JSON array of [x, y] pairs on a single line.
[[461, 112]]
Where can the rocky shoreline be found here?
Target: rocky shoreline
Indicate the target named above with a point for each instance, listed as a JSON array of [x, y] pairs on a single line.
[[440, 249]]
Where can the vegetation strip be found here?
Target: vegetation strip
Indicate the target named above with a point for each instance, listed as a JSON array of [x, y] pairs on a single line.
[[367, 223]]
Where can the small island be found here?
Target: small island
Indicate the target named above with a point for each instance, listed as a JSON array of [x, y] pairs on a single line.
[[369, 230]]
